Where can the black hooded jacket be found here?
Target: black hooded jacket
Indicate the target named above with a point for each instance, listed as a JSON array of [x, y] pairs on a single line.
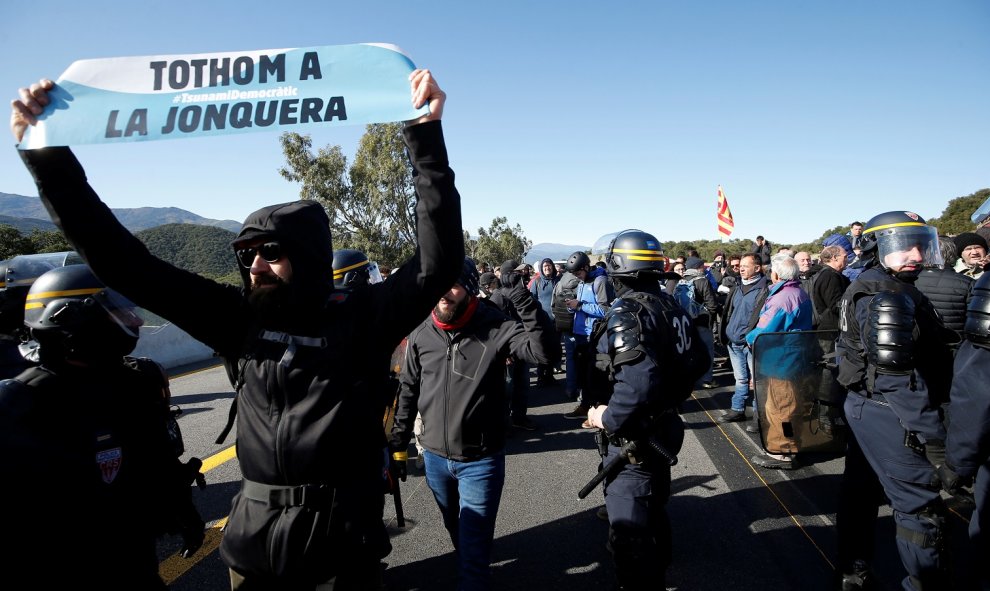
[[304, 415]]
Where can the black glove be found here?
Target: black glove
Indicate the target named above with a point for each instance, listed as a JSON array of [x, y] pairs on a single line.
[[193, 467], [946, 477], [397, 465], [192, 539], [510, 280]]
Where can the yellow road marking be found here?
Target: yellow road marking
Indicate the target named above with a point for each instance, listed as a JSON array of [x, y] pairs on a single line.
[[765, 484], [175, 566]]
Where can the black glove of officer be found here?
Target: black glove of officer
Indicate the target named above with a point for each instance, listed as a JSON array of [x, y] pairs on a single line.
[[947, 477]]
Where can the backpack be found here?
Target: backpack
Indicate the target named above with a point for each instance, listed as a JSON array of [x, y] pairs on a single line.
[[684, 295], [566, 289]]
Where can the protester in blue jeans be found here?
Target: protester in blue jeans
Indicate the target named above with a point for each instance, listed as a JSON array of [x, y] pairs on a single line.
[[742, 312], [454, 377]]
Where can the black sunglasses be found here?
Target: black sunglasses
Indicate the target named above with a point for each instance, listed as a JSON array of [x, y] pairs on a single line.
[[270, 251]]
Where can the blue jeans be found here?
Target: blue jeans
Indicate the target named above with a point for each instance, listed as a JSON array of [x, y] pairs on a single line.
[[468, 494], [741, 358]]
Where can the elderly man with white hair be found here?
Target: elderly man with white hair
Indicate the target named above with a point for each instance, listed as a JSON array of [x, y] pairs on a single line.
[[787, 308]]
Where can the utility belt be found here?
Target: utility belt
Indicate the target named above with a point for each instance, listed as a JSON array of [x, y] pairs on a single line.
[[316, 496], [652, 428]]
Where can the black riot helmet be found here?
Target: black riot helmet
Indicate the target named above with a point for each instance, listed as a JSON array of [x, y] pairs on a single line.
[[16, 277], [352, 268], [577, 261], [73, 315], [631, 253], [897, 238]]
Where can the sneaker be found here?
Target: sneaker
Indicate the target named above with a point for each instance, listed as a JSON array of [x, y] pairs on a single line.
[[708, 385], [580, 412], [752, 427], [524, 423], [774, 462], [587, 425], [602, 513], [732, 416]]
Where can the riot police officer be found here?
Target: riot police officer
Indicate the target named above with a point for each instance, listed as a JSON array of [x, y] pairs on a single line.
[[88, 436], [968, 443], [894, 362], [352, 268], [17, 352], [655, 355]]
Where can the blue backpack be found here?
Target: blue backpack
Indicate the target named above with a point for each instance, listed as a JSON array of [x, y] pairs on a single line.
[[684, 294]]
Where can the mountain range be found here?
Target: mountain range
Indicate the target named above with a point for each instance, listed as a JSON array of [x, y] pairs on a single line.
[[27, 213]]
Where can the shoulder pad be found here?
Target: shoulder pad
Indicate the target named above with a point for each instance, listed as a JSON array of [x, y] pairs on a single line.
[[624, 331], [977, 326], [625, 305]]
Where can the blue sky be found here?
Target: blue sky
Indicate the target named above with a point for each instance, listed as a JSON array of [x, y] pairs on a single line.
[[575, 119]]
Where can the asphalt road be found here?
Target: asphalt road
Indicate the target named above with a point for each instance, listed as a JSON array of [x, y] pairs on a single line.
[[734, 525]]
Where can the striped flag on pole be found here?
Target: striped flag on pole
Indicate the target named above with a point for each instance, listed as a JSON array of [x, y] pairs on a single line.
[[725, 223]]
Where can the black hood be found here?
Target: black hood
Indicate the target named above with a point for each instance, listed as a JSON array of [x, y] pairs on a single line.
[[303, 229]]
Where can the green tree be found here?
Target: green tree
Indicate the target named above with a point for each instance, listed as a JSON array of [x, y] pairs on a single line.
[[48, 241], [13, 243], [499, 243], [955, 219], [371, 204]]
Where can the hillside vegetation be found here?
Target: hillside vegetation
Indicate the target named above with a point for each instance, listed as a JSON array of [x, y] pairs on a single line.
[[201, 249]]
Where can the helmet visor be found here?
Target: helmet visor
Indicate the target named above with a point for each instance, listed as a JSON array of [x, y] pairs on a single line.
[[121, 311], [909, 245], [603, 245]]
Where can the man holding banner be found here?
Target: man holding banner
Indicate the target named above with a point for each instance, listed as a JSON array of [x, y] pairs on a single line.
[[308, 436]]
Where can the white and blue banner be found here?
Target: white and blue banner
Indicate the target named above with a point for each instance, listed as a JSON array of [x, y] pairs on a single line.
[[130, 99]]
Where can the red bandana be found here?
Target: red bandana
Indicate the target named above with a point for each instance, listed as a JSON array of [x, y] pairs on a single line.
[[460, 322]]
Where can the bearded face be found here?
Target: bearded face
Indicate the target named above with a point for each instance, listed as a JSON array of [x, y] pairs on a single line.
[[268, 293], [452, 305]]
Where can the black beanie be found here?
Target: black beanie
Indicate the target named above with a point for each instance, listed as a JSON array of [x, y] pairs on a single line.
[[969, 239]]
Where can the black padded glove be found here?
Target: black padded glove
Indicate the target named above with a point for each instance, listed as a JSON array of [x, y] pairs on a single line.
[[510, 280]]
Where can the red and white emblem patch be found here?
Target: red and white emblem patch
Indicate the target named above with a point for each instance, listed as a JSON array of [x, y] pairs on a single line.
[[912, 215], [109, 462]]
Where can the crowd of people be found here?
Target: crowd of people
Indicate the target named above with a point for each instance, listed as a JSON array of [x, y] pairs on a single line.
[[891, 302]]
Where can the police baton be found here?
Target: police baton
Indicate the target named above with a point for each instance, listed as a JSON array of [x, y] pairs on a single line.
[[400, 517], [393, 478], [613, 465], [616, 463]]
